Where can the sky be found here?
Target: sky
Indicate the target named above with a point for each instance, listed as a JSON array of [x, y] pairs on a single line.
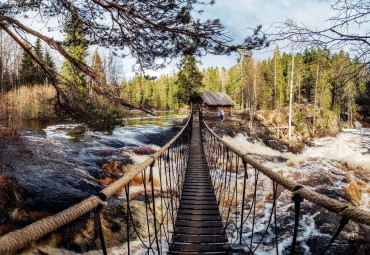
[[239, 17]]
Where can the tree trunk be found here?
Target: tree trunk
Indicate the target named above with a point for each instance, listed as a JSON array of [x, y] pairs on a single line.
[[315, 96], [1, 63], [275, 82], [253, 97], [291, 94], [299, 88]]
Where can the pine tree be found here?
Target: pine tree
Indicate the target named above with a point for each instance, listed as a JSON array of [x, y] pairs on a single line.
[[27, 72], [97, 66], [211, 79], [76, 45], [189, 80], [278, 79], [49, 61], [39, 73], [233, 87]]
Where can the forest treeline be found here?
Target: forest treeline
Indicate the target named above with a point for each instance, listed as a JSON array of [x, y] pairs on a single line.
[[329, 81], [326, 80]]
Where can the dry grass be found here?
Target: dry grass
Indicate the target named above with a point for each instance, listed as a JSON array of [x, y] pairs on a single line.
[[8, 133], [26, 102]]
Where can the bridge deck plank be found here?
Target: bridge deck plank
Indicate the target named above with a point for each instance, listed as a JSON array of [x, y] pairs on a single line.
[[198, 228]]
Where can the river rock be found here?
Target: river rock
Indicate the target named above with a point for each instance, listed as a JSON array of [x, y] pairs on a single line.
[[44, 182], [144, 150], [355, 190], [8, 197], [79, 237]]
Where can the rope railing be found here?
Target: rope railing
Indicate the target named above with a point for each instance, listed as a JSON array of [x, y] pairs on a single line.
[[248, 201], [162, 176]]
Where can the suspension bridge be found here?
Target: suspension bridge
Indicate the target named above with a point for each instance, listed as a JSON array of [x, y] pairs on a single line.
[[210, 198]]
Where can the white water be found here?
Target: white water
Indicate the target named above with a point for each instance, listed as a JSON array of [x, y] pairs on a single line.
[[85, 151], [350, 149], [331, 166], [317, 167]]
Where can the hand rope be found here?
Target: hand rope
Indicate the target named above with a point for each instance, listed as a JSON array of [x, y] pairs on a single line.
[[340, 208]]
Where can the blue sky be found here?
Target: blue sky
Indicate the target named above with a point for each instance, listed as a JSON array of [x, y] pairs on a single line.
[[238, 16]]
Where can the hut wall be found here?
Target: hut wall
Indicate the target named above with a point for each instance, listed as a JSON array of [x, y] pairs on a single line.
[[212, 110]]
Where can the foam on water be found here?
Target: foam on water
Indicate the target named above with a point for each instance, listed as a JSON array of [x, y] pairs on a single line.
[[349, 147], [59, 131], [327, 167]]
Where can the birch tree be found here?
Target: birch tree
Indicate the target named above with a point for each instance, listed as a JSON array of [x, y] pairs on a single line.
[[291, 94]]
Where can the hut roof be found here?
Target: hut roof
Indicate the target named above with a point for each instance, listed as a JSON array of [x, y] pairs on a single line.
[[215, 98]]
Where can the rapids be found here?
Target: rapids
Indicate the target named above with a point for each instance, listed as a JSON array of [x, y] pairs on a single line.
[[338, 167], [56, 165]]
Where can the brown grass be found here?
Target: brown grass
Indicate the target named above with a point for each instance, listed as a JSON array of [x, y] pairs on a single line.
[[26, 102]]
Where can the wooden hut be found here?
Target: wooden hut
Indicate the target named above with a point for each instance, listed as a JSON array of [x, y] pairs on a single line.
[[211, 101]]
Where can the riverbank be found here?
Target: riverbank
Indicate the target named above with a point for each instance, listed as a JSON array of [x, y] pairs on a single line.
[[272, 127]]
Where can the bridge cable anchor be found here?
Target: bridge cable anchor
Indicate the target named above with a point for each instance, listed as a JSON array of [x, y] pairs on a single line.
[[297, 206], [98, 230], [151, 169], [343, 222]]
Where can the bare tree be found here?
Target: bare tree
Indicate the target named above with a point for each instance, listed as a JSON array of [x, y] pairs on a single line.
[[347, 29]]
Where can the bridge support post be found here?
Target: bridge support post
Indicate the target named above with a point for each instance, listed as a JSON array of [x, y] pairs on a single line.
[[297, 205]]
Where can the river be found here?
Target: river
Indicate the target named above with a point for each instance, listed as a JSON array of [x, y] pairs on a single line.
[[338, 167], [56, 165]]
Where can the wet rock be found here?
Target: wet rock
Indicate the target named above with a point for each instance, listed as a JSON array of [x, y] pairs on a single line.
[[143, 150], [277, 145], [162, 137], [77, 133], [317, 244], [8, 197], [324, 221], [80, 237], [6, 228], [114, 143], [355, 190], [114, 167]]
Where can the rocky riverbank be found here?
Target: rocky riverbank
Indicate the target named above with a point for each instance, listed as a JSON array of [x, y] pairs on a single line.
[[272, 126]]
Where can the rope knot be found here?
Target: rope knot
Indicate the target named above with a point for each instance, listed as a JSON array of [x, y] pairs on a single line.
[[102, 196], [296, 197]]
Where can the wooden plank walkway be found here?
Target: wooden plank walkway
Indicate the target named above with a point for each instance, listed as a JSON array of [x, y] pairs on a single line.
[[198, 228]]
